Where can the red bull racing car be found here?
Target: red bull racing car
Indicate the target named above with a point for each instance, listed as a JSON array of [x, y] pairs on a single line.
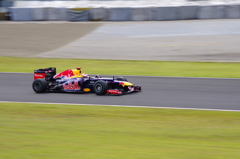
[[73, 80]]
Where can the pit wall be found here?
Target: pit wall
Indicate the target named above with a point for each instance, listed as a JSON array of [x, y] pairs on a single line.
[[34, 11]]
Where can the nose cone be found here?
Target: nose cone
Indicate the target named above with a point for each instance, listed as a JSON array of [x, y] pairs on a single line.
[[126, 83]]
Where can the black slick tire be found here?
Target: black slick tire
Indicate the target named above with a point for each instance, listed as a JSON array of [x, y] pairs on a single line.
[[39, 85], [100, 87]]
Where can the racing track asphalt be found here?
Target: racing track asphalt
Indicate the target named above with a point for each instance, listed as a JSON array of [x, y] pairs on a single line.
[[204, 93]]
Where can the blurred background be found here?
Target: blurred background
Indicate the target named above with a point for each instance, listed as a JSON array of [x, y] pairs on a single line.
[[182, 30], [115, 10]]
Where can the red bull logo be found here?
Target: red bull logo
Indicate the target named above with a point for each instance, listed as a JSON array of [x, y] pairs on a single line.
[[71, 86]]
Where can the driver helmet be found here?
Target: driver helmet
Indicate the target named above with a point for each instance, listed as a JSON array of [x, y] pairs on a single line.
[[85, 75]]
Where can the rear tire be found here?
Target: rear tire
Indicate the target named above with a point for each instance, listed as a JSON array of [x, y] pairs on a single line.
[[39, 85], [100, 87], [121, 79]]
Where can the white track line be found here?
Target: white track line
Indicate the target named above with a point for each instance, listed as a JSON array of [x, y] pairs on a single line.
[[139, 76], [129, 106]]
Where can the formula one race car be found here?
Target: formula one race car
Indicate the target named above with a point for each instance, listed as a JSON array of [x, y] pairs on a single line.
[[73, 80]]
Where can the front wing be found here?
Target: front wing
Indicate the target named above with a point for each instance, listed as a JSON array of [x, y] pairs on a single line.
[[120, 91]]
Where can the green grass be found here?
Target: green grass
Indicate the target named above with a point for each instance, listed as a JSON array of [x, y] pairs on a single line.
[[37, 131], [118, 67]]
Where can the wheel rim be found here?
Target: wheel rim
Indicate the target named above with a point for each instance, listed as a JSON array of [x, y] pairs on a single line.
[[37, 86], [98, 87]]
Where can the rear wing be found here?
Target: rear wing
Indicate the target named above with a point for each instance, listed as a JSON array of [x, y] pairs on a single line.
[[46, 73]]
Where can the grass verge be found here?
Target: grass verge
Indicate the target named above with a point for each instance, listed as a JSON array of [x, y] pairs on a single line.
[[37, 131], [118, 67]]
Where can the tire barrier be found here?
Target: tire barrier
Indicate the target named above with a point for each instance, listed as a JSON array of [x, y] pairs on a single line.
[[79, 14], [98, 14], [3, 14], [6, 4], [54, 14], [188, 12], [211, 12], [232, 11], [168, 13], [111, 13], [21, 14], [39, 14], [119, 14]]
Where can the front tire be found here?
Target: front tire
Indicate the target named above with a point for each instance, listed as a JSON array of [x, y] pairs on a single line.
[[100, 87], [39, 85]]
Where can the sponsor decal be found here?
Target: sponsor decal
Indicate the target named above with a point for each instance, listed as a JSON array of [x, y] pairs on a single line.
[[131, 88], [111, 91], [71, 86], [92, 82], [38, 75]]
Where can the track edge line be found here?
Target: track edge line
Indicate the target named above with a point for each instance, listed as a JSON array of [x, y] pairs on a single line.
[[128, 106]]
